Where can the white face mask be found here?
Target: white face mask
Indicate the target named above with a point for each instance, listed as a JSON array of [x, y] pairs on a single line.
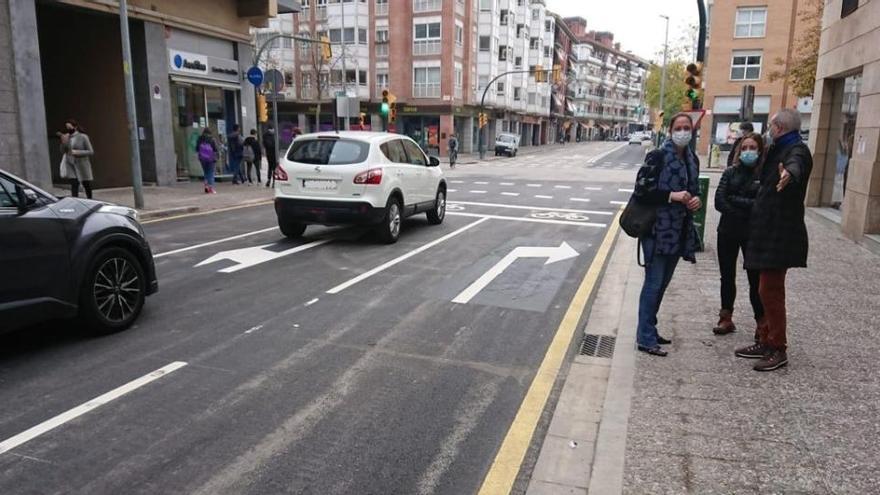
[[681, 138]]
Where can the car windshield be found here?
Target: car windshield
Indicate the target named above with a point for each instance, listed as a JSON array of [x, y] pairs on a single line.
[[506, 139], [328, 151]]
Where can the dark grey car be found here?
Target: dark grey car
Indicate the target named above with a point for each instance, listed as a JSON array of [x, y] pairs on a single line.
[[70, 257]]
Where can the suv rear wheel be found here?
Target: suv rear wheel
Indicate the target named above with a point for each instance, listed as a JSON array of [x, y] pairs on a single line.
[[389, 229], [292, 230], [113, 291], [436, 215]]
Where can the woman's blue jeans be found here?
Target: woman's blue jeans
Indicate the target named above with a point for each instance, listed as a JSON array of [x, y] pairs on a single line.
[[658, 273], [208, 169]]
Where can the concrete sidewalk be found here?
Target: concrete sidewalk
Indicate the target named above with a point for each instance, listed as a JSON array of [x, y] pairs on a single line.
[[701, 420]]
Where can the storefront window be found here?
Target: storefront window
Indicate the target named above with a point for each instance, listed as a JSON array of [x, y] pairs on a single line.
[[196, 107], [849, 108]]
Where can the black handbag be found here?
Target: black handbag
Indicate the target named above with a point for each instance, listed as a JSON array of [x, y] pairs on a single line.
[[637, 219]]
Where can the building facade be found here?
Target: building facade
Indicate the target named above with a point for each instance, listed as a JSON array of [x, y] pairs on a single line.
[[187, 62], [845, 125], [606, 87], [745, 41]]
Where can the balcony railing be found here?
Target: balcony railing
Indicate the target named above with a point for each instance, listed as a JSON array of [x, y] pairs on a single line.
[[426, 90], [426, 47], [321, 13], [382, 50], [381, 9], [427, 5]]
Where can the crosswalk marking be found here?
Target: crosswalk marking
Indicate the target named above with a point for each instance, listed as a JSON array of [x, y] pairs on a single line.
[[582, 200], [541, 196]]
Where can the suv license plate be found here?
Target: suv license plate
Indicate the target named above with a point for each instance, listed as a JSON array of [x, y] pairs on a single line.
[[319, 185]]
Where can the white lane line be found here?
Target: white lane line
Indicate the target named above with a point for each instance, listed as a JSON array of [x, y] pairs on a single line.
[[451, 190], [341, 287], [478, 192], [603, 155], [253, 329], [537, 208], [533, 185], [211, 243], [562, 187], [509, 194], [313, 301], [541, 196], [51, 424], [507, 183], [456, 182], [588, 188], [618, 202], [481, 183], [526, 219], [625, 190], [580, 200]]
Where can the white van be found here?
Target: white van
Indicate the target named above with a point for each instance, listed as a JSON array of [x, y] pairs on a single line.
[[507, 144]]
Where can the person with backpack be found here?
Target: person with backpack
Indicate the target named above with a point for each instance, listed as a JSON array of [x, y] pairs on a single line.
[[253, 156], [235, 147], [667, 186], [271, 156], [206, 148]]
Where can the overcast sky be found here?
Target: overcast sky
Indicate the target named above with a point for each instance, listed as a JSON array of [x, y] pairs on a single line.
[[635, 23]]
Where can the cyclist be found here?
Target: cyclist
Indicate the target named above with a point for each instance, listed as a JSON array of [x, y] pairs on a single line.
[[453, 150]]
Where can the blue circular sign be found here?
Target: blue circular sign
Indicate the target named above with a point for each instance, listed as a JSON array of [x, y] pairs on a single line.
[[255, 76], [178, 61]]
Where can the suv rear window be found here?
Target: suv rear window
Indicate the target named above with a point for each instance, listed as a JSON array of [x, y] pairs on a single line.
[[328, 151]]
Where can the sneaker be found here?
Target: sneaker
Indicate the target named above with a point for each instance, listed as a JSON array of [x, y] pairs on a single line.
[[654, 351], [773, 361], [754, 351]]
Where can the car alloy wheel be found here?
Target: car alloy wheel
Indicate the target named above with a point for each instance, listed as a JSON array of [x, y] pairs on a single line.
[[394, 219], [436, 215], [117, 290]]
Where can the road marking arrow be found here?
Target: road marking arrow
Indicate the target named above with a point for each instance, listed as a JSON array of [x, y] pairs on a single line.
[[553, 254], [252, 256]]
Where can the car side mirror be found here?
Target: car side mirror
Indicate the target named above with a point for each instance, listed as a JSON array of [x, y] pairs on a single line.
[[433, 161], [25, 197]]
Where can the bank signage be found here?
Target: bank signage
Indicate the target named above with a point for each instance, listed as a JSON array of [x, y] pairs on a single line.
[[195, 64]]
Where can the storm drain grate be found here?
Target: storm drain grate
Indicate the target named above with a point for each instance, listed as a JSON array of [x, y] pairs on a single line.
[[598, 345]]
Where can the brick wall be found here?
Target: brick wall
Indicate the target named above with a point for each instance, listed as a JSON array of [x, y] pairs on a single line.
[[10, 140]]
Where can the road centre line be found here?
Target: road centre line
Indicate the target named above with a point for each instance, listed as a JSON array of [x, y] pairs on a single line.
[[451, 190], [539, 208], [533, 185], [618, 202], [477, 192], [509, 194], [508, 461], [582, 200], [481, 183], [506, 183], [590, 188], [211, 243], [341, 287], [562, 187], [526, 219], [542, 196], [55, 422], [456, 182]]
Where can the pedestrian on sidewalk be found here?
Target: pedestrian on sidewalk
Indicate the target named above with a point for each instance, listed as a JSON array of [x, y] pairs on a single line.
[[778, 237], [206, 148], [668, 181], [271, 156], [76, 164], [734, 199], [452, 144], [253, 156], [745, 129], [235, 147]]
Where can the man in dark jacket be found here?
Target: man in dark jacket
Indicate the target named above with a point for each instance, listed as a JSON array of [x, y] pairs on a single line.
[[271, 156], [745, 129], [778, 235], [235, 147]]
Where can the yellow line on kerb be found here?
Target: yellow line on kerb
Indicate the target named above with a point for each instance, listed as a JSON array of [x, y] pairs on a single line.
[[501, 476]]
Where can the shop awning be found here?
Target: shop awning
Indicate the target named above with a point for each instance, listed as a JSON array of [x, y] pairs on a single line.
[[289, 6], [206, 82]]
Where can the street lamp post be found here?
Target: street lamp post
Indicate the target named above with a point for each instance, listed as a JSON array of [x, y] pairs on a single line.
[[131, 111], [663, 73]]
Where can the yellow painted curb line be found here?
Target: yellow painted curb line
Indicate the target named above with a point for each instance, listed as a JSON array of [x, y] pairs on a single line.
[[208, 212], [501, 476]]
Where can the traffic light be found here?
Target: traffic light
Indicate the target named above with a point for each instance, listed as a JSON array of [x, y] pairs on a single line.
[[386, 107], [326, 49], [483, 120], [262, 109], [393, 115], [694, 82]]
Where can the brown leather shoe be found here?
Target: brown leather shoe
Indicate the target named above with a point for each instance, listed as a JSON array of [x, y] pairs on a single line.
[[773, 361], [725, 323]]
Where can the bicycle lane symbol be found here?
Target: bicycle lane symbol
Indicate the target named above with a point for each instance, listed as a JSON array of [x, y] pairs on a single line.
[[555, 215]]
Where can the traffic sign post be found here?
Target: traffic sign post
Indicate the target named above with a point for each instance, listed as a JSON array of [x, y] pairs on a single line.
[[255, 76]]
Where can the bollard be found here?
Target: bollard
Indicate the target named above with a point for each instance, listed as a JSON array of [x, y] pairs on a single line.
[[700, 215]]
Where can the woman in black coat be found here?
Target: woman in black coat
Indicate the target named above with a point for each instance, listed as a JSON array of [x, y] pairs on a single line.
[[734, 199]]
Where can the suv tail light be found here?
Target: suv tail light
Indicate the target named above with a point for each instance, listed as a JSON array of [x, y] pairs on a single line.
[[280, 173], [372, 176]]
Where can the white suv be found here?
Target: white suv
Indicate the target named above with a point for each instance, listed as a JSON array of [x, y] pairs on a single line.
[[363, 178]]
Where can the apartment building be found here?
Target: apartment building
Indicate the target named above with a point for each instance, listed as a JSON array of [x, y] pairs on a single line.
[[745, 41], [515, 38], [606, 85], [845, 125]]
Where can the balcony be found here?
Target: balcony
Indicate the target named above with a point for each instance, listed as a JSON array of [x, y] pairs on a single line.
[[426, 90], [382, 50], [381, 9], [426, 47], [427, 5]]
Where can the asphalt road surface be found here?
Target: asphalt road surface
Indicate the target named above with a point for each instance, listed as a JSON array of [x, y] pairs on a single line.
[[333, 364]]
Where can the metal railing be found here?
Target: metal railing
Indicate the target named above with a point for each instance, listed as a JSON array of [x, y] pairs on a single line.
[[426, 47], [426, 90]]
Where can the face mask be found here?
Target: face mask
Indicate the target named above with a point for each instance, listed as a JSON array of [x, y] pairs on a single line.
[[748, 157], [681, 138]]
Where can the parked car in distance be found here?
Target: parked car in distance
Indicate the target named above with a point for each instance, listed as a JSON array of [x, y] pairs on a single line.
[[636, 138], [357, 178], [506, 144], [70, 257]]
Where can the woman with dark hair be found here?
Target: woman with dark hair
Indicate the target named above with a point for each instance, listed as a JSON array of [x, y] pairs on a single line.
[[734, 199], [668, 181], [206, 148], [77, 165]]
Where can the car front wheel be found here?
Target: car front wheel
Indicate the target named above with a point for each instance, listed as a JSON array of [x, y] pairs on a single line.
[[436, 215], [389, 229], [113, 291]]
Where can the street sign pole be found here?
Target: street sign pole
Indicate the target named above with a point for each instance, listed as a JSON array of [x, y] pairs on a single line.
[[134, 152]]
